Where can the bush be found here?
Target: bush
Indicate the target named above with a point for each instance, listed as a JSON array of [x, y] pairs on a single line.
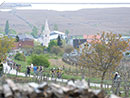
[[20, 57], [57, 50], [68, 49], [38, 49], [40, 60]]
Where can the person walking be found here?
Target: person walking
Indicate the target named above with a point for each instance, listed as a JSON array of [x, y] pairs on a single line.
[[35, 70], [28, 71], [52, 72], [116, 75]]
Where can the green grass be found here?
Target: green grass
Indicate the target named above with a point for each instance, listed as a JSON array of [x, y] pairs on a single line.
[[23, 65], [65, 76]]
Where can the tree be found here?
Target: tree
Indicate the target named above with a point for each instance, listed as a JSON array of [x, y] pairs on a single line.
[[12, 31], [1, 31], [42, 28], [34, 32], [38, 49], [19, 57], [68, 49], [51, 44], [57, 50], [40, 60], [104, 53], [56, 27], [66, 32], [6, 44], [17, 39], [59, 41], [7, 27], [1, 68], [27, 50]]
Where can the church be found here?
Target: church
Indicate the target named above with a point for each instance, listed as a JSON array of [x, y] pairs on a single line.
[[45, 35]]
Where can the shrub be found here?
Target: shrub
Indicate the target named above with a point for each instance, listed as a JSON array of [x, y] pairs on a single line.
[[57, 50], [20, 57], [68, 49], [40, 60]]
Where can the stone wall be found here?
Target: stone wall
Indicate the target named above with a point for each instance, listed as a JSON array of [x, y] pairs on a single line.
[[77, 89]]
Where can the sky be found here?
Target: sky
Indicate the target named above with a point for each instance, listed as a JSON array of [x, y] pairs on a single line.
[[70, 1], [68, 7]]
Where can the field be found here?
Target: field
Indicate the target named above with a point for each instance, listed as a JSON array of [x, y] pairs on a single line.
[[85, 21]]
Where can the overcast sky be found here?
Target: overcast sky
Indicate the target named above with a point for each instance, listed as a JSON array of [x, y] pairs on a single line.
[[71, 1]]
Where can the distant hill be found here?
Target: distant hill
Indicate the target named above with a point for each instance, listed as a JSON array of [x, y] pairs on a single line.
[[85, 21]]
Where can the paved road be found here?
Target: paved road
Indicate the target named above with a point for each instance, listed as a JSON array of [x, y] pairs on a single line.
[[8, 70]]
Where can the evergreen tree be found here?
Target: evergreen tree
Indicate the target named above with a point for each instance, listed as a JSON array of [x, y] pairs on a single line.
[[52, 44], [7, 27], [66, 32], [34, 32], [17, 39], [1, 68], [59, 41], [42, 28], [56, 27]]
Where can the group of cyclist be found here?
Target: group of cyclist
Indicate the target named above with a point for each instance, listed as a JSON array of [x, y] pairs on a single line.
[[56, 72], [39, 70]]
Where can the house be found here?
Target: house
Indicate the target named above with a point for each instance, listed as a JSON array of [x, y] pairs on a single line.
[[78, 42], [54, 35], [71, 38], [89, 38], [25, 40]]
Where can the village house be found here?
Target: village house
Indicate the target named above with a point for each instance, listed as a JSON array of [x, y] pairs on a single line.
[[25, 40]]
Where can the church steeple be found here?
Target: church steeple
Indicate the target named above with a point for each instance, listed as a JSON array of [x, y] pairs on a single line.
[[46, 29], [46, 35]]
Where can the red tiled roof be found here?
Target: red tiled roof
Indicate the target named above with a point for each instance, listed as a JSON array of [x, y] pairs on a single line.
[[90, 37], [22, 44]]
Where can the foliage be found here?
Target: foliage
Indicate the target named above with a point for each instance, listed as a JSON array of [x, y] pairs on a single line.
[[40, 60], [27, 50], [38, 49], [20, 57], [57, 50], [51, 44], [7, 27], [34, 32], [59, 41], [104, 53], [42, 28], [1, 31], [55, 27], [127, 53], [66, 32], [1, 67], [5, 45], [12, 31], [68, 49], [17, 39]]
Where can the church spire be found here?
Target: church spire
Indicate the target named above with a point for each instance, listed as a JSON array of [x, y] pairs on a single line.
[[46, 29], [46, 35]]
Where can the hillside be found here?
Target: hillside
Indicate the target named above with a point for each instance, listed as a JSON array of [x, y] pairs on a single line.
[[85, 21]]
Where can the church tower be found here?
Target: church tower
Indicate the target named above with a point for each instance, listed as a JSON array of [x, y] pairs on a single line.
[[46, 35]]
